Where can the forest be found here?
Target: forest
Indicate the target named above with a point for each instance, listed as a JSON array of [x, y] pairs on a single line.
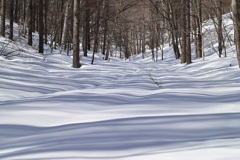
[[119, 79], [125, 26]]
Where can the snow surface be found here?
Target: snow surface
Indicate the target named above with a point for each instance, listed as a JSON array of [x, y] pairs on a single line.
[[114, 110]]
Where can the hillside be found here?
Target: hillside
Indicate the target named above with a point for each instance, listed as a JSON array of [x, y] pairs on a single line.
[[124, 110]]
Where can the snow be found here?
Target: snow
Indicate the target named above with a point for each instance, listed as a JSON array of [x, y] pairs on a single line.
[[113, 110]]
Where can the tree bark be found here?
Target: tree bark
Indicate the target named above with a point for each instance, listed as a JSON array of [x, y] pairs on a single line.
[[96, 31], [106, 8], [220, 28], [16, 11], [65, 24], [87, 45], [76, 63], [188, 32], [199, 25], [236, 17], [45, 21], [3, 17], [184, 31], [30, 22], [41, 26], [11, 10]]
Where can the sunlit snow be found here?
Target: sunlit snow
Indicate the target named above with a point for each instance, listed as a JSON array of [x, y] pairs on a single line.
[[113, 110]]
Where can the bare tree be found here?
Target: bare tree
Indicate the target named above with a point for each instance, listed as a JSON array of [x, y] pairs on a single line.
[[30, 22], [236, 16], [3, 17], [11, 10], [76, 63], [40, 26]]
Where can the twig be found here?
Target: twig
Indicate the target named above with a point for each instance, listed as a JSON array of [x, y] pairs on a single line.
[[151, 77]]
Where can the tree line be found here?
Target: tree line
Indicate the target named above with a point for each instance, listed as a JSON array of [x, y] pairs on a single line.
[[122, 26]]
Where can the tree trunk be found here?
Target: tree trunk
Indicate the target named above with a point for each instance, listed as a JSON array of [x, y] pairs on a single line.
[[11, 10], [96, 39], [65, 24], [188, 32], [16, 11], [143, 39], [30, 22], [76, 63], [184, 31], [87, 45], [220, 28], [199, 26], [45, 21], [236, 17], [41, 26], [34, 13], [3, 17], [23, 17], [106, 8]]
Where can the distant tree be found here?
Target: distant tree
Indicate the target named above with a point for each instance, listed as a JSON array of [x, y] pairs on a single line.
[[105, 25], [45, 19], [16, 10], [65, 22], [86, 34], [97, 29], [197, 27]]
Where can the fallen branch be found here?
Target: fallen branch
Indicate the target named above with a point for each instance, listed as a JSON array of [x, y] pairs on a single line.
[[152, 79]]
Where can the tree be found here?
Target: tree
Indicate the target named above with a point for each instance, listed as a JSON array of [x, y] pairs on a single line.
[[236, 17], [30, 22], [40, 26], [65, 23], [188, 32], [216, 12], [197, 27], [3, 17], [11, 10], [96, 30], [76, 63], [184, 31], [16, 10], [106, 14], [87, 41]]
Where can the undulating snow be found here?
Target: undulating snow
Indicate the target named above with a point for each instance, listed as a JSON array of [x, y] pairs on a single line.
[[114, 110]]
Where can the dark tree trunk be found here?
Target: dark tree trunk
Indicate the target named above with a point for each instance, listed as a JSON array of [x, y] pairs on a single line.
[[199, 26], [184, 31], [220, 28], [41, 26], [188, 32], [30, 22], [236, 17], [3, 17], [106, 8], [16, 11], [96, 39], [11, 10], [87, 45], [34, 16], [76, 63], [45, 21]]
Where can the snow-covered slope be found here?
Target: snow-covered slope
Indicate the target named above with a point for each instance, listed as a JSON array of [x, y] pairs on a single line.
[[115, 109]]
